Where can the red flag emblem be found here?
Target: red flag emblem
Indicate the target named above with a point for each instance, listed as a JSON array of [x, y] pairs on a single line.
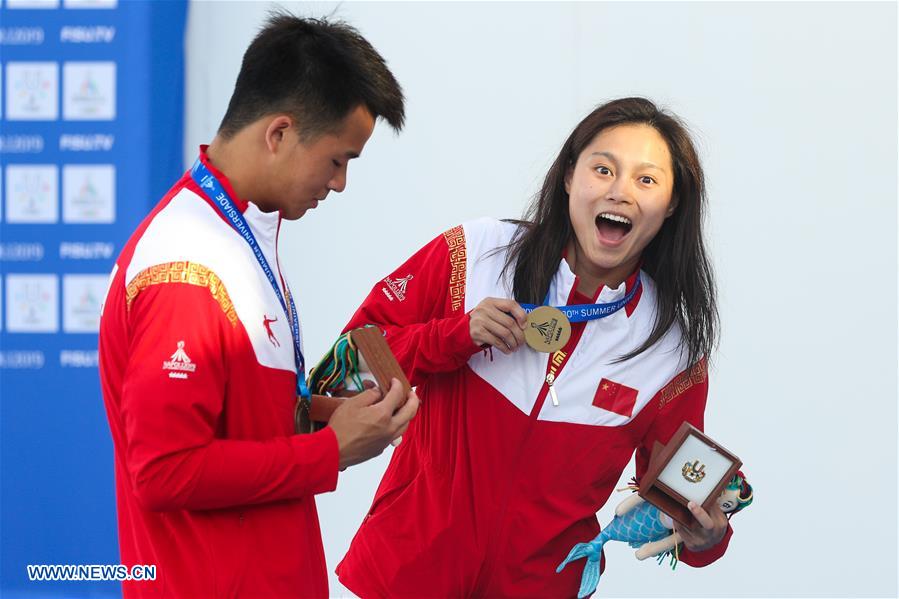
[[615, 397]]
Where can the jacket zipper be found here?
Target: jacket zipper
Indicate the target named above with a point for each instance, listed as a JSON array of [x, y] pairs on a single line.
[[550, 379], [547, 388], [494, 546]]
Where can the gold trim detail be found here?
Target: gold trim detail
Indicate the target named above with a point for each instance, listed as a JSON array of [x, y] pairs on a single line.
[[182, 272], [696, 375], [455, 241]]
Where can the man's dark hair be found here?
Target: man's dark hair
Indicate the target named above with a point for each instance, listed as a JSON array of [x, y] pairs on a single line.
[[676, 258], [314, 70]]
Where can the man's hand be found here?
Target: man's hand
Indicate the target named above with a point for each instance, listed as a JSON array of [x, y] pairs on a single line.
[[499, 323], [708, 533], [364, 426]]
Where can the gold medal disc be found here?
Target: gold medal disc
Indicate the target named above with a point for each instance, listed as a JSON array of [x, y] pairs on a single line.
[[547, 329]]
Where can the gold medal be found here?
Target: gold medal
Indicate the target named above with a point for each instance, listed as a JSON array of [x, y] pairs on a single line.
[[547, 329]]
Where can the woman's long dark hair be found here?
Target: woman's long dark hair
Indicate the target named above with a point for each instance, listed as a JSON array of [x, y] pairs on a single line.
[[675, 259]]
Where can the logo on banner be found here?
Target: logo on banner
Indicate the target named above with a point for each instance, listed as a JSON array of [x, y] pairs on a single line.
[[32, 89], [180, 363], [82, 296], [89, 91], [90, 3], [88, 193], [42, 4], [32, 303], [31, 193], [397, 287]]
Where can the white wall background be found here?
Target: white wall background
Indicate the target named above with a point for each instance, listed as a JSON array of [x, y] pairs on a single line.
[[794, 107]]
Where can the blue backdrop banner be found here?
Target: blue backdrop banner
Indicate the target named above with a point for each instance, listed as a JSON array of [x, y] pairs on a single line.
[[91, 105]]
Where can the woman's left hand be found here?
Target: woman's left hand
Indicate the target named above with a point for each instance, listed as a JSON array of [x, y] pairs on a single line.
[[708, 532]]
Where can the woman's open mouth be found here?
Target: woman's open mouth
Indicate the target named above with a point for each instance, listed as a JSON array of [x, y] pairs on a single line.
[[612, 228]]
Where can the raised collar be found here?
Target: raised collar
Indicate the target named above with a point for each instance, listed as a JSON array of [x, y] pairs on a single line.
[[239, 202], [265, 225], [563, 290]]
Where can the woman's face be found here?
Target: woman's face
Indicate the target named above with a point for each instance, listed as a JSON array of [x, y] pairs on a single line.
[[619, 195]]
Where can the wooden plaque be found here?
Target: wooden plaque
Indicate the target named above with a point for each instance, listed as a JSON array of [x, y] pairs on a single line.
[[691, 466], [379, 360]]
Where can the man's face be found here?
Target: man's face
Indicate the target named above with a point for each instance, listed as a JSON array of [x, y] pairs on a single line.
[[302, 173]]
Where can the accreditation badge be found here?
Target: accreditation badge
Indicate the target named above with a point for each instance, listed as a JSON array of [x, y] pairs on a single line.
[[547, 329]]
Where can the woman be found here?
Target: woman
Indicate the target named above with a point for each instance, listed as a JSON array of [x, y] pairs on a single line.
[[514, 450]]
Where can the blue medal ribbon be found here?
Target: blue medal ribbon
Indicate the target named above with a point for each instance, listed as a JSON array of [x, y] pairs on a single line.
[[585, 312], [213, 188]]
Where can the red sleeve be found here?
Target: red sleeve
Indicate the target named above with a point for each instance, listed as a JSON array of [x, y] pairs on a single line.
[[173, 456], [682, 399], [698, 559], [420, 307]]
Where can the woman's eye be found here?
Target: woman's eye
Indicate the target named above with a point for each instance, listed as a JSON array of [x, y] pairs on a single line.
[[603, 170], [647, 180], [335, 163]]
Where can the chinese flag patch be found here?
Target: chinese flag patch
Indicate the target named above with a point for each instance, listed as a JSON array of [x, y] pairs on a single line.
[[615, 397]]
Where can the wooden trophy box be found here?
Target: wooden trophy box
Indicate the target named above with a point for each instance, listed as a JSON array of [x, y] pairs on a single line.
[[690, 467]]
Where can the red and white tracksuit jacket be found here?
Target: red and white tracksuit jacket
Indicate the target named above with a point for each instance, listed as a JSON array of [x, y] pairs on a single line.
[[198, 375], [493, 484]]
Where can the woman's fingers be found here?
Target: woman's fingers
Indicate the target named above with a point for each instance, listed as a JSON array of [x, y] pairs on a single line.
[[503, 326], [701, 515], [498, 322]]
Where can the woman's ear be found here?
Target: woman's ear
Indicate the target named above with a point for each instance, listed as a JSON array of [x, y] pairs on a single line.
[[671, 207], [568, 174]]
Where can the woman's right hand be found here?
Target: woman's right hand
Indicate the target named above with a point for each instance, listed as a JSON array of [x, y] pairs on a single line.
[[499, 323]]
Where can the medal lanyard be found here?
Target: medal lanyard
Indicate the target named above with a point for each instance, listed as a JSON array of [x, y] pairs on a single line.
[[585, 312], [216, 192]]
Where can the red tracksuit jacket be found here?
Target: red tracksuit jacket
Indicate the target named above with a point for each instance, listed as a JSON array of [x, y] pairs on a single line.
[[493, 484], [198, 376]]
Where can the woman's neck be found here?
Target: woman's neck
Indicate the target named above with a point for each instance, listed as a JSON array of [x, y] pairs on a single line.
[[591, 277]]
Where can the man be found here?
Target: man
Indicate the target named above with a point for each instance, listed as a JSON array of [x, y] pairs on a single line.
[[199, 340]]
